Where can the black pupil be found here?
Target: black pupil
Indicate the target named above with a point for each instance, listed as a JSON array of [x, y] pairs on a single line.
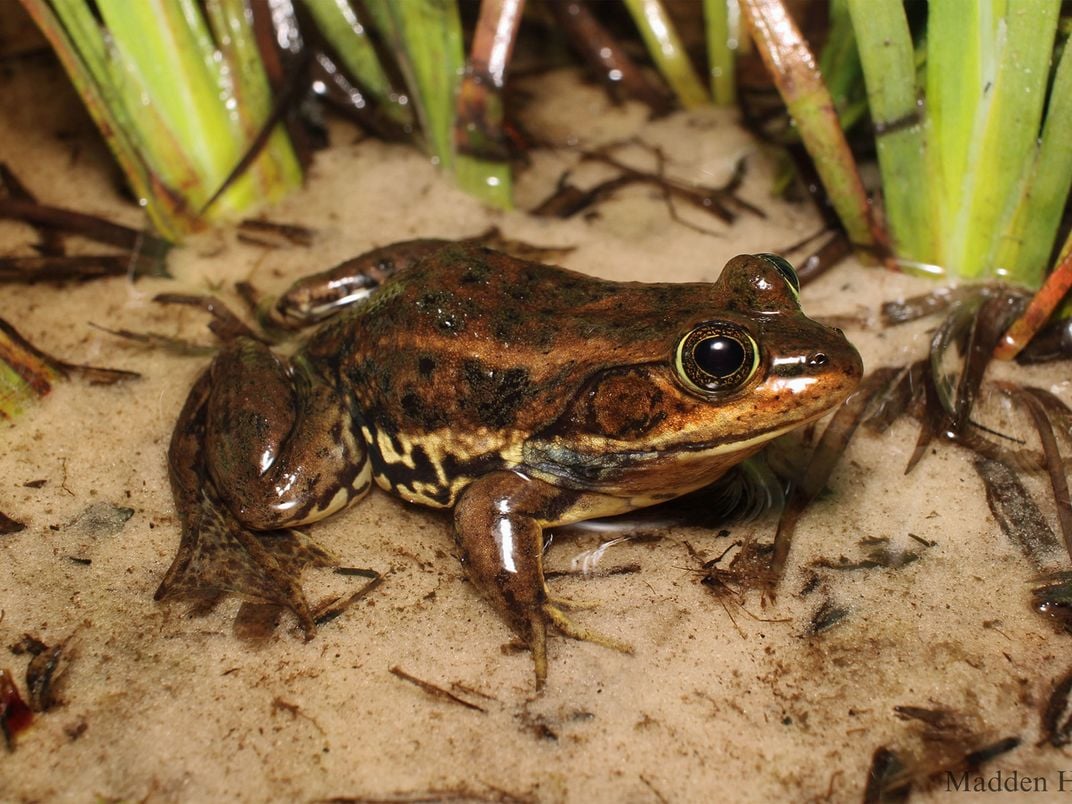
[[719, 356]]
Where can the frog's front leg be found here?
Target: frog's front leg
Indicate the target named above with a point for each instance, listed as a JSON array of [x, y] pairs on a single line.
[[314, 298], [499, 523], [261, 445]]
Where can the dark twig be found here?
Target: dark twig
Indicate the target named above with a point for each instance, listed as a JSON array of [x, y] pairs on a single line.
[[435, 691]]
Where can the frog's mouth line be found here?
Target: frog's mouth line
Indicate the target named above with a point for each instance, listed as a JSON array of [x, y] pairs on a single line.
[[720, 447], [609, 466]]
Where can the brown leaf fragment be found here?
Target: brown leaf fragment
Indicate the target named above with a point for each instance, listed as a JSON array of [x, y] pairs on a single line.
[[327, 612], [284, 99], [275, 234], [1057, 716], [826, 617], [1058, 410], [28, 643], [1042, 402], [887, 781], [50, 241], [27, 373], [61, 268], [937, 721], [165, 343], [993, 316], [833, 250], [90, 226], [568, 199], [1018, 515], [1037, 407], [894, 313], [905, 390], [15, 715], [42, 676], [606, 57], [9, 525], [1053, 342], [598, 572], [225, 325], [435, 691], [876, 558], [980, 756]]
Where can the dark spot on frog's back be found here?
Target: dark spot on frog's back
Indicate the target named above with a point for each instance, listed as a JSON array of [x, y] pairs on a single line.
[[478, 273], [494, 394], [446, 310], [423, 413]]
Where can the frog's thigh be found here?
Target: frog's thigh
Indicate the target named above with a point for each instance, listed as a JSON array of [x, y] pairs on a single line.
[[280, 444]]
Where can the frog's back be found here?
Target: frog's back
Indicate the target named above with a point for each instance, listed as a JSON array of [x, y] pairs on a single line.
[[458, 359]]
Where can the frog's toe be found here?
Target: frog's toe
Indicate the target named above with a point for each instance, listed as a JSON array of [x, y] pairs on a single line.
[[538, 645], [572, 603], [564, 624], [218, 556]]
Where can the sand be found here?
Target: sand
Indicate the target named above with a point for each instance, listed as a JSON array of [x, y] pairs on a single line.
[[722, 698]]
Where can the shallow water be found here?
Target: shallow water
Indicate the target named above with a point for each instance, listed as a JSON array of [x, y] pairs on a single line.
[[719, 698]]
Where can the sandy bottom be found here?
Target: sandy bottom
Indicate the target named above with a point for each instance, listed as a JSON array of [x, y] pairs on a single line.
[[721, 697]]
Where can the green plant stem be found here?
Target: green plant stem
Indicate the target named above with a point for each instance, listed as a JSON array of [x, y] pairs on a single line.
[[176, 140], [426, 35], [792, 65], [723, 18], [888, 60], [1029, 240], [666, 51], [1018, 43], [348, 37], [839, 63]]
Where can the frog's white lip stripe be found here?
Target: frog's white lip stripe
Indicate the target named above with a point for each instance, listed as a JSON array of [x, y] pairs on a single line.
[[326, 308]]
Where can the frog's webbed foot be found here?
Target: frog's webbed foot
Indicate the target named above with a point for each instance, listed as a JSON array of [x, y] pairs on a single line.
[[218, 556], [497, 526]]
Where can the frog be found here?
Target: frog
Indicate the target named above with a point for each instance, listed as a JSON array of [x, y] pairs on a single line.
[[515, 395]]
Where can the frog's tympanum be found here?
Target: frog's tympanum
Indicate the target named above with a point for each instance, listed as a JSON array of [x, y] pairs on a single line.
[[521, 396]]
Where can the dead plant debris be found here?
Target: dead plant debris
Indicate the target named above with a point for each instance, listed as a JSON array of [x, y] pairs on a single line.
[[435, 691], [1057, 715], [15, 715]]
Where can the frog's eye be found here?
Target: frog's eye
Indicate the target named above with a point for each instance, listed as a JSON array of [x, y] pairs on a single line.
[[716, 358], [787, 271]]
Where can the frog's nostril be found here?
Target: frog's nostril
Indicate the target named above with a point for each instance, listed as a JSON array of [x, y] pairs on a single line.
[[818, 359]]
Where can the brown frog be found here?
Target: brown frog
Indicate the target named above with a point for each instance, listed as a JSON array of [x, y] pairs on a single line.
[[520, 395]]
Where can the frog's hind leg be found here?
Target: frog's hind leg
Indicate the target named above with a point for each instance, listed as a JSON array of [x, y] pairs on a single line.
[[219, 551], [498, 528]]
